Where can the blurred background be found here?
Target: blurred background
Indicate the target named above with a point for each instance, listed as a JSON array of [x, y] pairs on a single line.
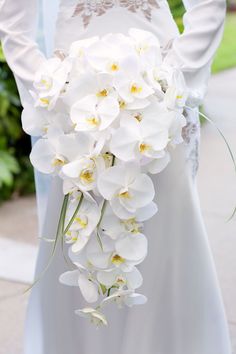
[[216, 182]]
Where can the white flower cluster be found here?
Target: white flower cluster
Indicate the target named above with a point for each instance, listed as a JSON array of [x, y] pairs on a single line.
[[108, 115]]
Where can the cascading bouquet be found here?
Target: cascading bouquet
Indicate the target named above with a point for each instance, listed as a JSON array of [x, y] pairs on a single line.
[[108, 115]]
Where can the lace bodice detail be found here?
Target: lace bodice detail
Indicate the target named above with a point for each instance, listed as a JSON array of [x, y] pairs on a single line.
[[80, 18], [87, 8], [191, 137]]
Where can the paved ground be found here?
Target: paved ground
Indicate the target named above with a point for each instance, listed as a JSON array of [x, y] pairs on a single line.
[[217, 190]]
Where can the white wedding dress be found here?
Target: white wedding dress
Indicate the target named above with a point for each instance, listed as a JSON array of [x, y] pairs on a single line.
[[184, 313]]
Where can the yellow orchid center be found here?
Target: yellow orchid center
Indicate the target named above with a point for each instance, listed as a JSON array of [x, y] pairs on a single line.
[[114, 67], [142, 48], [125, 195], [138, 116], [132, 225], [117, 260], [135, 89], [102, 93], [144, 147], [179, 97], [80, 52], [81, 222], [45, 129], [120, 280], [47, 84], [87, 176], [44, 101], [58, 162], [72, 236], [92, 121], [122, 104]]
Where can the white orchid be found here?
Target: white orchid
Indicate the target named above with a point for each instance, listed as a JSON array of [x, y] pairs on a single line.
[[131, 86], [110, 53], [83, 225], [132, 248], [160, 78], [125, 297], [144, 137], [147, 47], [95, 316], [50, 81], [55, 150], [90, 114], [124, 254], [88, 287], [126, 189], [157, 165], [37, 121], [118, 278], [114, 227], [176, 93], [48, 155], [78, 48], [83, 170]]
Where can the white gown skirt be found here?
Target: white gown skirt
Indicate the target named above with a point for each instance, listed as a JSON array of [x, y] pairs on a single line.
[[184, 313]]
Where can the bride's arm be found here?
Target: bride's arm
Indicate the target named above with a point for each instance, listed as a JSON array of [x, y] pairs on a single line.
[[18, 22], [193, 50]]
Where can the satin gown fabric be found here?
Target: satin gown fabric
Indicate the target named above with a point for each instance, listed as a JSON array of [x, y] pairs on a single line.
[[184, 313]]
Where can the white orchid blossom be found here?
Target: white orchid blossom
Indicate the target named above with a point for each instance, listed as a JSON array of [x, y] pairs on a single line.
[[84, 224], [48, 155], [144, 137], [176, 93], [55, 150], [50, 82], [126, 189], [107, 115], [131, 86], [125, 297], [83, 170], [90, 114], [115, 255], [37, 121], [88, 287], [114, 227], [147, 47], [110, 53], [78, 48], [95, 316], [117, 278]]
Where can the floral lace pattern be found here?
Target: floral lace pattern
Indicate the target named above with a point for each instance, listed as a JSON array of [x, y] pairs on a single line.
[[89, 8], [191, 136]]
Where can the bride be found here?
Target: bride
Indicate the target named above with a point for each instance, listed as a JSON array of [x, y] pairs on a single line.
[[184, 313]]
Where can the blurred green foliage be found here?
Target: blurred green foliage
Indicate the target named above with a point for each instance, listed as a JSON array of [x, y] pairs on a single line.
[[177, 9], [16, 174], [226, 55]]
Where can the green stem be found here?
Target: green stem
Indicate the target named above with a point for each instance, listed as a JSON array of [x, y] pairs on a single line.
[[104, 200], [103, 210], [58, 234], [74, 215], [109, 291], [99, 239]]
